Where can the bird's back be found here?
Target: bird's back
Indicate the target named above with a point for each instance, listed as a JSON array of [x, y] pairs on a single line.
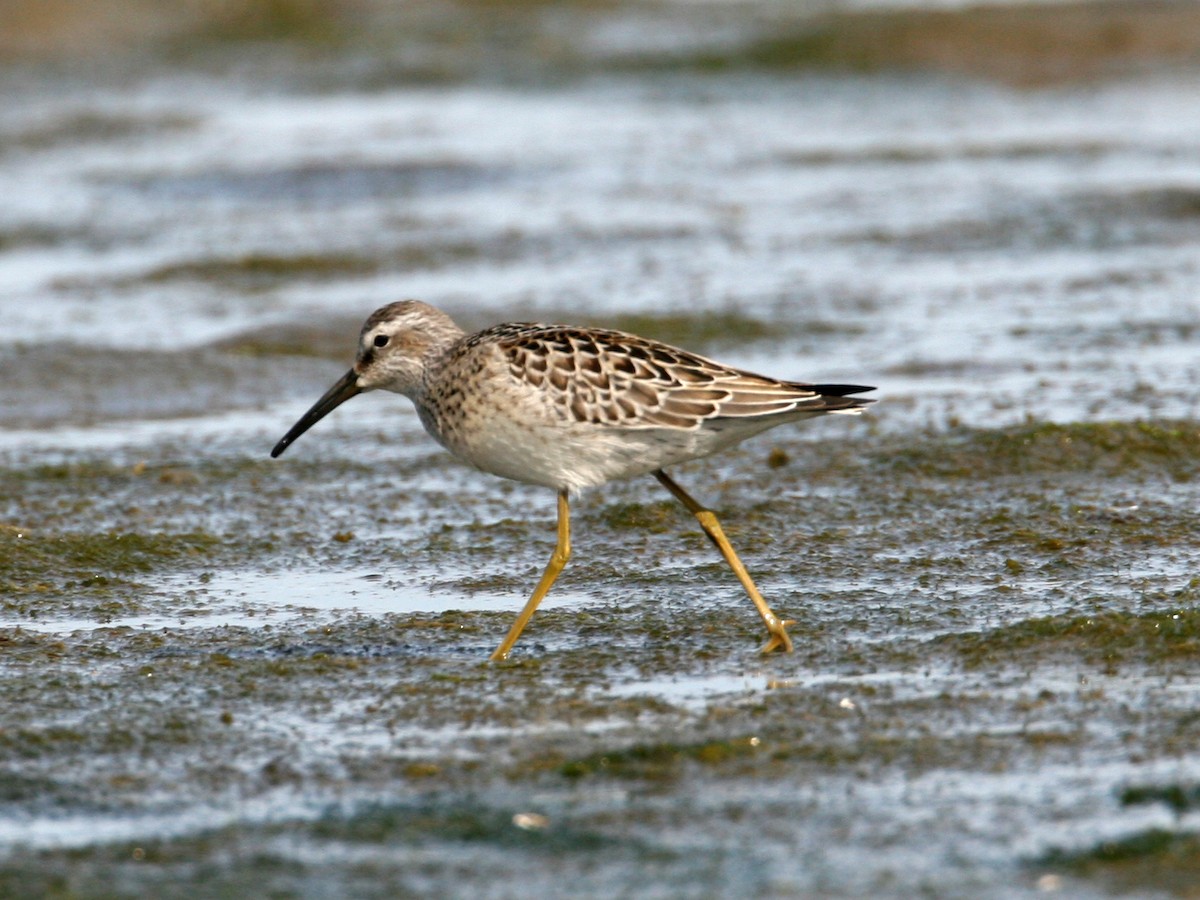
[[571, 407]]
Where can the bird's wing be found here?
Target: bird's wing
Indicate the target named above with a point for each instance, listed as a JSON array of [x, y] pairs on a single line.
[[613, 378]]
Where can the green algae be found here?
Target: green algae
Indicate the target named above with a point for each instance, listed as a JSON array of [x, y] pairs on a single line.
[[1178, 798], [278, 20], [1154, 859], [654, 518], [1108, 638], [1025, 44], [316, 342], [38, 562], [265, 271], [449, 822], [1057, 536], [265, 268], [88, 127], [719, 328], [1101, 448], [657, 761], [544, 41], [1152, 843]]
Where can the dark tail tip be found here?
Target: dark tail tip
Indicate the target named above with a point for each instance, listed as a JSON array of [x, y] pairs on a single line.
[[839, 390]]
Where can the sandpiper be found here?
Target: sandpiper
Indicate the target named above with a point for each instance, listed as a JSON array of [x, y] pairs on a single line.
[[572, 408]]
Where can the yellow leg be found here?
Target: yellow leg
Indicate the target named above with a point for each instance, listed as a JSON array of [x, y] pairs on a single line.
[[777, 629], [562, 552]]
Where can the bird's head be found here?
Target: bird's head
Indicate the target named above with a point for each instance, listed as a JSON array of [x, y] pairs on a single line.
[[396, 344]]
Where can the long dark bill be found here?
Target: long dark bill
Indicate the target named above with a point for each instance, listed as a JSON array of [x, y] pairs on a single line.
[[346, 387]]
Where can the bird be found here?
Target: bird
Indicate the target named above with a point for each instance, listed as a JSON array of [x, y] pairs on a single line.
[[572, 408]]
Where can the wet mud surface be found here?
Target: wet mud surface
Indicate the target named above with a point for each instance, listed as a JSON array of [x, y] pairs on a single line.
[[227, 675], [1002, 615]]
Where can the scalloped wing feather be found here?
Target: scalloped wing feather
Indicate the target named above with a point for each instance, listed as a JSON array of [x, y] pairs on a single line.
[[613, 378]]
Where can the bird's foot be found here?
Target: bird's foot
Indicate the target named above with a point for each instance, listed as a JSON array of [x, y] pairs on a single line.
[[779, 637]]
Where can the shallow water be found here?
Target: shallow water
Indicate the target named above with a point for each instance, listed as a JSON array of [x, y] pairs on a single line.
[[227, 671], [1000, 254]]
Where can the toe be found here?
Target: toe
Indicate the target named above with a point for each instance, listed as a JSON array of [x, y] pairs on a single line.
[[780, 639]]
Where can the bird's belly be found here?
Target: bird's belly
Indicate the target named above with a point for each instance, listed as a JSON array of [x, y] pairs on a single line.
[[532, 444], [575, 456]]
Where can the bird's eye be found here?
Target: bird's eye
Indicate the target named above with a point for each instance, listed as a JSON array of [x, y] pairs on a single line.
[[381, 340]]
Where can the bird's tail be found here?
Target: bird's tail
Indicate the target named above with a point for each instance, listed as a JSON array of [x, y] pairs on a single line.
[[837, 399]]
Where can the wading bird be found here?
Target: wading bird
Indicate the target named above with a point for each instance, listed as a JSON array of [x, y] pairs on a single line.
[[573, 408]]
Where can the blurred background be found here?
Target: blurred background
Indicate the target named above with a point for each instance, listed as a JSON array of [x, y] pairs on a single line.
[[993, 210]]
